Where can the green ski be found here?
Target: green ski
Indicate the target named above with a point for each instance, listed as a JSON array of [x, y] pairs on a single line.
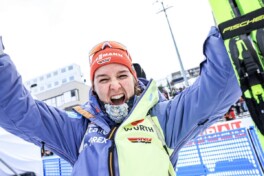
[[257, 37], [241, 24]]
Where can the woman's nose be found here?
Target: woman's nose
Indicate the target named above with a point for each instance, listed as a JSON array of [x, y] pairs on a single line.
[[115, 85]]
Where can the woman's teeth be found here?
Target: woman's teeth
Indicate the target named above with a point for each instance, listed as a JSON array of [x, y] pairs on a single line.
[[117, 96]]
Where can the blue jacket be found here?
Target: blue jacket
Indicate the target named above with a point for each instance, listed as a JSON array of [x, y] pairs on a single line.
[[181, 118]]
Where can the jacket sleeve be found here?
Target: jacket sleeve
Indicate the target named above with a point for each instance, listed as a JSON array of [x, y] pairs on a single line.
[[201, 104], [35, 121]]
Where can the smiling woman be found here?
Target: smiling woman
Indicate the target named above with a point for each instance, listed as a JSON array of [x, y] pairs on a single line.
[[114, 85], [113, 78], [127, 127]]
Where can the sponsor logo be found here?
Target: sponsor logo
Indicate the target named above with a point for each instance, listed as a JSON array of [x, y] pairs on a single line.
[[244, 23], [104, 60], [140, 140], [137, 122], [98, 140], [96, 130], [106, 57], [224, 126], [139, 128]]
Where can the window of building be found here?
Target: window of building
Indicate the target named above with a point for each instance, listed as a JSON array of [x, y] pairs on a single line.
[[56, 83], [51, 101], [48, 75], [71, 96], [64, 80], [63, 70], [49, 86], [60, 100], [66, 97], [55, 73], [74, 95], [41, 78], [71, 78], [70, 67]]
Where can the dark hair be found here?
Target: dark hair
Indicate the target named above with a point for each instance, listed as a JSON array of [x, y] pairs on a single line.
[[139, 70], [137, 89]]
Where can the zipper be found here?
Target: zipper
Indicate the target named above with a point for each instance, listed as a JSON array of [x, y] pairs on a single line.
[[111, 165]]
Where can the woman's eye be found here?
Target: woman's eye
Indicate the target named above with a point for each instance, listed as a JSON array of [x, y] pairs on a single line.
[[103, 80], [122, 76]]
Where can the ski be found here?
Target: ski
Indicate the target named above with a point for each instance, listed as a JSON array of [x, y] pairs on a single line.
[[241, 24]]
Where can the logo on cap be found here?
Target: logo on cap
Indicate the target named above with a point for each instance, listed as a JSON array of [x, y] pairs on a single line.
[[106, 57]]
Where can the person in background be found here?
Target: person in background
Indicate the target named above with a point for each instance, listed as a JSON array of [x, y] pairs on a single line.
[[126, 127], [139, 71], [238, 107], [243, 105], [230, 115], [165, 93]]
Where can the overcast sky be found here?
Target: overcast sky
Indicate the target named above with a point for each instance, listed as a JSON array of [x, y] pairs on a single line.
[[43, 35]]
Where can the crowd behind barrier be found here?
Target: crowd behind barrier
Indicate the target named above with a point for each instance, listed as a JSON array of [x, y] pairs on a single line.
[[235, 111]]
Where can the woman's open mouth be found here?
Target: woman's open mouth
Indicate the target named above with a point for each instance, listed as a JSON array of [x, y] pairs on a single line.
[[118, 99]]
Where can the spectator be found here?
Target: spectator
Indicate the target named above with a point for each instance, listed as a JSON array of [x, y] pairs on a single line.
[[243, 104], [238, 107], [230, 115], [139, 70]]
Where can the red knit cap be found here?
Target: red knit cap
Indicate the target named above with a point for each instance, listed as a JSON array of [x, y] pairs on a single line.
[[109, 54]]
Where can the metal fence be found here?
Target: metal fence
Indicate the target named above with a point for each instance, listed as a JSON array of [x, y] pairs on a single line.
[[220, 154], [55, 166]]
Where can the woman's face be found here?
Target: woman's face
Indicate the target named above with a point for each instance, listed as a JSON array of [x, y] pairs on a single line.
[[114, 84]]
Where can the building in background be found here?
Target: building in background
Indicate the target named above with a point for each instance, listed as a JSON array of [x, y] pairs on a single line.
[[54, 79], [62, 88], [175, 79], [66, 96]]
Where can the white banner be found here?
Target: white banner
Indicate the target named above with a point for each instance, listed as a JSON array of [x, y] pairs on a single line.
[[18, 154], [244, 122]]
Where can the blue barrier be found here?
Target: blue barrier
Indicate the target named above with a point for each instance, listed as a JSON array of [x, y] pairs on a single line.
[[55, 166], [257, 145], [229, 153]]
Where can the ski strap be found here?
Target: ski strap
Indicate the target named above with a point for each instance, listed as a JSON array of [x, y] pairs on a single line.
[[242, 24]]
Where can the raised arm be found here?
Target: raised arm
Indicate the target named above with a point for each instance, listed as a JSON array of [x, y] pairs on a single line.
[[201, 104], [33, 120]]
